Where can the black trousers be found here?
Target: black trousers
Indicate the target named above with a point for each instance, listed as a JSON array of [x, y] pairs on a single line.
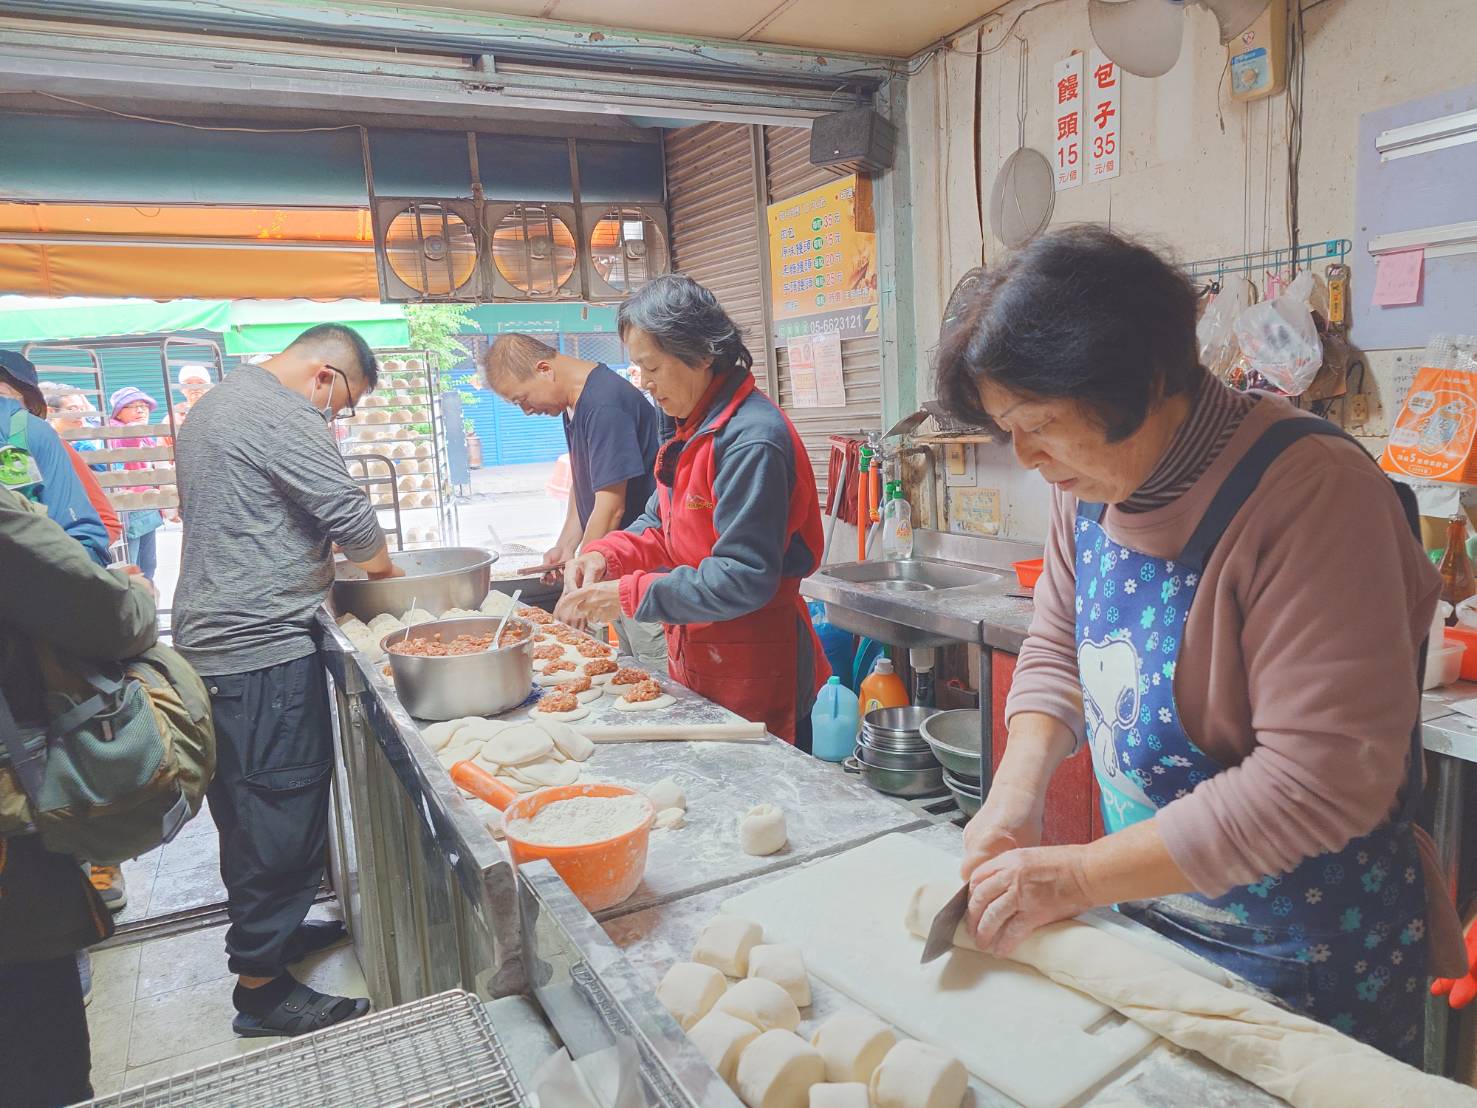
[[269, 799], [45, 1055]]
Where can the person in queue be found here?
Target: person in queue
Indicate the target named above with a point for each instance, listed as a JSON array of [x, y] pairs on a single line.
[[1193, 628], [194, 382], [52, 480], [265, 497], [611, 431], [733, 527], [65, 411], [49, 913], [131, 406]]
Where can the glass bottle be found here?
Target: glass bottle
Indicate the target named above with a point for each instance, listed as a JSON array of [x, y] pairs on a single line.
[[1456, 571]]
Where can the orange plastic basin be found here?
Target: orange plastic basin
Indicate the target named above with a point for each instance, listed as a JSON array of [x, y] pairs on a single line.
[[1029, 572], [601, 874]]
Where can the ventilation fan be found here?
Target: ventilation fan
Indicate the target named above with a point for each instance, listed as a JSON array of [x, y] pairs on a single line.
[[534, 251], [626, 246], [428, 250], [1143, 36]]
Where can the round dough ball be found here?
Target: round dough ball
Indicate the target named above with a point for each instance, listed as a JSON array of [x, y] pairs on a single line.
[[725, 943], [762, 1003], [721, 1038], [849, 1095], [402, 450], [777, 1070], [406, 484], [666, 793], [785, 966], [917, 1075], [415, 616], [762, 830], [853, 1045], [689, 990], [422, 450], [670, 819]]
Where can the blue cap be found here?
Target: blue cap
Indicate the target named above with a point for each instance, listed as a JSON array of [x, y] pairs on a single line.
[[22, 371]]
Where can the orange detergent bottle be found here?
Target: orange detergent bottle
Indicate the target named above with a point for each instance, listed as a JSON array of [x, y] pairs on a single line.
[[882, 688]]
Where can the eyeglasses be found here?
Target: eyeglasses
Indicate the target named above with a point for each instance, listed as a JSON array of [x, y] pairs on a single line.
[[347, 391]]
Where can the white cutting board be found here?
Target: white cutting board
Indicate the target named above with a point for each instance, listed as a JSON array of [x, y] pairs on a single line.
[[1034, 1040]]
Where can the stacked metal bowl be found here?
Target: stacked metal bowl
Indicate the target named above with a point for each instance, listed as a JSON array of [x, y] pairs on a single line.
[[892, 755], [954, 739]]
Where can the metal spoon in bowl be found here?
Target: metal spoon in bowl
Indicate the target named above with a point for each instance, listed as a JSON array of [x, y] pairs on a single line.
[[497, 636]]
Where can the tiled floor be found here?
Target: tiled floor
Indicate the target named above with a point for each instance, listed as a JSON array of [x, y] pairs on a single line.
[[163, 1006]]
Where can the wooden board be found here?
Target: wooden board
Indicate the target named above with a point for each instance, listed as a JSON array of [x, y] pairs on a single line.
[[1034, 1040]]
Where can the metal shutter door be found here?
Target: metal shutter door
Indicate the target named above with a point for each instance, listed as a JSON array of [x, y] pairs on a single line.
[[717, 232], [788, 170]]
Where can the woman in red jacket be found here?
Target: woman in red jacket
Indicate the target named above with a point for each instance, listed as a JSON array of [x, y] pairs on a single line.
[[733, 527]]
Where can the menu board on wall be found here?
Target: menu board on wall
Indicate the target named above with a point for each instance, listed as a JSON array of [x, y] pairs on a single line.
[[1104, 153], [1066, 91], [823, 262]]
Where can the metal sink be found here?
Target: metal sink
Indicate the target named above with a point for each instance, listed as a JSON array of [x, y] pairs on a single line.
[[951, 591], [915, 575]]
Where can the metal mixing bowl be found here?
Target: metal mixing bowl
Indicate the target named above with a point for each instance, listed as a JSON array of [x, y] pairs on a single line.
[[906, 783], [436, 580], [901, 724], [482, 684], [885, 758], [955, 739], [966, 795]]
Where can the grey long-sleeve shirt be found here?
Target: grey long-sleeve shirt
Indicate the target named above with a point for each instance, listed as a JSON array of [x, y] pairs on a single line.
[[264, 495]]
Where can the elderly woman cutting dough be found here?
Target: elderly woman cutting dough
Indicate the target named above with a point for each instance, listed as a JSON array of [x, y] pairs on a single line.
[[1231, 619]]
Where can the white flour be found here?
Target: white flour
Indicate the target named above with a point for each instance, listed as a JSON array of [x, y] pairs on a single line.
[[582, 819]]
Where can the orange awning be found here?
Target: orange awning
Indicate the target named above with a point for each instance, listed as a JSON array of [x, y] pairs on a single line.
[[186, 252]]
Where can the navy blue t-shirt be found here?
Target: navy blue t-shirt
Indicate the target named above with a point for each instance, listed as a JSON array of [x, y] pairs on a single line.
[[612, 437]]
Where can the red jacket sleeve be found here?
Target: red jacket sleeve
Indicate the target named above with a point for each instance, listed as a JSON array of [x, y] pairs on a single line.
[[95, 494], [641, 546]]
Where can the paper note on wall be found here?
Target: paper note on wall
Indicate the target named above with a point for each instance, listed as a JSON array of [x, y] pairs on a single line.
[[974, 511], [830, 382], [800, 356], [1397, 278]]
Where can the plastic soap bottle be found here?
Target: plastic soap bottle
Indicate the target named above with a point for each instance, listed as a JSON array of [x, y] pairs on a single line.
[[883, 688], [834, 722], [897, 524]]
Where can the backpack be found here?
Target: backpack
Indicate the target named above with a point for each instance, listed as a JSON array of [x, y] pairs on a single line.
[[122, 763], [18, 469]]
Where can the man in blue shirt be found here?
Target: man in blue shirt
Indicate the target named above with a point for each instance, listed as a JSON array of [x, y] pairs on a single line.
[[611, 429], [56, 486]]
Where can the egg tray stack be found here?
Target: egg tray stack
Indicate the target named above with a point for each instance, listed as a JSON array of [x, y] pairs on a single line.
[[397, 421]]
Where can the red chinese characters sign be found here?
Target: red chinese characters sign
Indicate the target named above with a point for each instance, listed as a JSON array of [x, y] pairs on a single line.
[[1066, 98], [1102, 83]]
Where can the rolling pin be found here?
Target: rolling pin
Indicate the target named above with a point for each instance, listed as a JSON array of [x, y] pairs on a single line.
[[740, 731]]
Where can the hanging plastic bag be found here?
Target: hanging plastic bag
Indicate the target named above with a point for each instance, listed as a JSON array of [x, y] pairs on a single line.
[[1216, 331], [1280, 338]]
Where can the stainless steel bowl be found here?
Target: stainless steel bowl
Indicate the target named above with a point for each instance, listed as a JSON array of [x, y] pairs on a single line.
[[966, 795], [955, 739], [462, 684], [436, 580], [895, 759], [899, 782], [896, 723]]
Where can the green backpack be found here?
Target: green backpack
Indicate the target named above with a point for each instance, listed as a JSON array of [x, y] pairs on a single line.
[[18, 470], [122, 763]]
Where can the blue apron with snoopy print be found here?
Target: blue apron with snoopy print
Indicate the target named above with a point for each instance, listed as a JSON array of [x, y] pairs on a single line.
[[1340, 937]]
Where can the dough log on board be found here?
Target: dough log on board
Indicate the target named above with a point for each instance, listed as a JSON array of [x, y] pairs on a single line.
[[1308, 1064]]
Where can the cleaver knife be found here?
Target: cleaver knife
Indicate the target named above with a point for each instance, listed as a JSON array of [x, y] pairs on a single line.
[[941, 933]]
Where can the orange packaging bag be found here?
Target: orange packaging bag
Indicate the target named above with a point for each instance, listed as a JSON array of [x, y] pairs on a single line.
[[1435, 437]]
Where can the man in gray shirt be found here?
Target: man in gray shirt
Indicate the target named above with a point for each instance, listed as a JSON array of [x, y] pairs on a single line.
[[265, 497]]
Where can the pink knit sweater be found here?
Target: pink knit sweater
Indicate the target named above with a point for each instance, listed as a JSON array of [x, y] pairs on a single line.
[[1297, 670]]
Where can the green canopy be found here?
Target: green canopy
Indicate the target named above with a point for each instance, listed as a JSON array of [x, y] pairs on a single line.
[[247, 326]]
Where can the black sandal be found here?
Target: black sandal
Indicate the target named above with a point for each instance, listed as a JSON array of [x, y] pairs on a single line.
[[313, 936], [303, 1010]]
